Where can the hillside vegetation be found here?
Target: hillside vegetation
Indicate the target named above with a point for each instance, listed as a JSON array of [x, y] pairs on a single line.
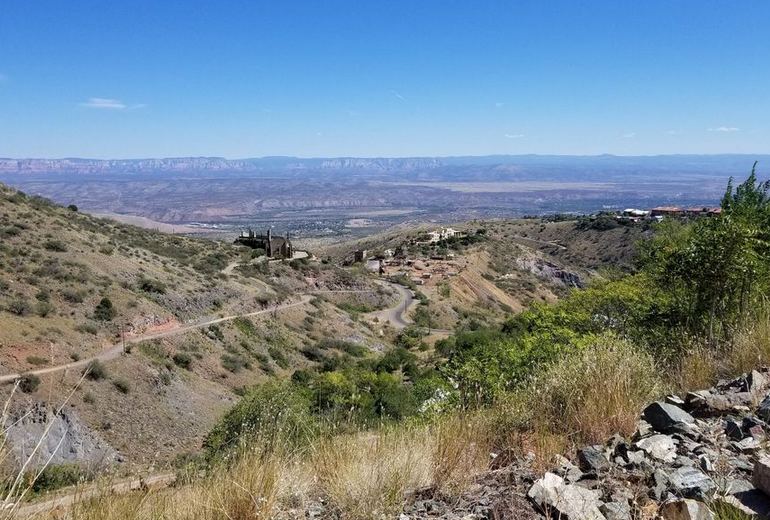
[[74, 287], [548, 379]]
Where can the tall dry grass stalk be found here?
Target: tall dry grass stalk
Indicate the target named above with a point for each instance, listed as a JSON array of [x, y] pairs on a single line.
[[359, 476], [750, 347], [461, 450], [368, 476], [698, 368], [596, 392]]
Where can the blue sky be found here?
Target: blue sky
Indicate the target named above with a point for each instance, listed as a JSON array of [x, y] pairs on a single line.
[[382, 78]]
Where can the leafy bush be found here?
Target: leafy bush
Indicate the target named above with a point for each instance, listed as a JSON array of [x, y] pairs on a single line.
[[58, 476], [19, 307], [43, 308], [183, 360], [96, 370], [36, 360], [234, 363], [278, 356], [73, 295], [151, 286], [271, 415], [87, 328], [28, 383], [245, 326], [55, 245], [104, 310]]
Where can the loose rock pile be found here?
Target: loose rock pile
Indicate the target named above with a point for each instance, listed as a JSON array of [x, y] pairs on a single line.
[[688, 456]]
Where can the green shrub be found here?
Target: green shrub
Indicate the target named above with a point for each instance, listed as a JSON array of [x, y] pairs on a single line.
[[104, 310], [55, 245], [87, 328], [234, 363], [274, 414], [151, 286], [28, 383], [121, 385], [245, 326], [59, 476], [19, 307], [278, 356], [43, 308], [96, 370], [183, 360], [73, 295], [37, 361]]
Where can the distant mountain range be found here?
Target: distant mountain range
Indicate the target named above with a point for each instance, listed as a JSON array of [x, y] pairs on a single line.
[[733, 163]]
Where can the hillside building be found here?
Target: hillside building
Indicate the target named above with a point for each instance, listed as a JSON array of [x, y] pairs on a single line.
[[274, 246]]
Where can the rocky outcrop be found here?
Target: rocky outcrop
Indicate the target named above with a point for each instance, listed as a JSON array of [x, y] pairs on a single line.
[[550, 271], [687, 455], [65, 439]]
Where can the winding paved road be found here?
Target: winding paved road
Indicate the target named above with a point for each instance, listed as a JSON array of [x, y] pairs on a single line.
[[396, 315]]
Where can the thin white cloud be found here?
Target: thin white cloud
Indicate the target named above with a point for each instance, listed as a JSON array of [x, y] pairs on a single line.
[[673, 132], [499, 104], [397, 95], [629, 135], [110, 104], [514, 136], [3, 78], [104, 103], [724, 129]]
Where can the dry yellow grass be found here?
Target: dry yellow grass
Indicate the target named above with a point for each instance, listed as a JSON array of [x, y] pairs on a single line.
[[367, 476], [596, 392], [359, 476], [461, 450]]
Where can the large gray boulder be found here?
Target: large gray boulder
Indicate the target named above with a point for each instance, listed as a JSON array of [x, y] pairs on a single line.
[[664, 416], [690, 482], [660, 447], [592, 459], [565, 501], [761, 475]]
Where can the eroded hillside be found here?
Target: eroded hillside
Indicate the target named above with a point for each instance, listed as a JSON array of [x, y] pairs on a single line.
[[169, 329]]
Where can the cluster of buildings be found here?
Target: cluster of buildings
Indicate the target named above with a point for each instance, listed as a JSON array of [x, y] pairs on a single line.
[[442, 234], [659, 213], [274, 246]]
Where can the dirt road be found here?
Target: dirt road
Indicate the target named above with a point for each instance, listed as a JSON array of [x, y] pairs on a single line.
[[116, 350]]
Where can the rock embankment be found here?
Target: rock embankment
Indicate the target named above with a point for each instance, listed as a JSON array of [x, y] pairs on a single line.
[[690, 456]]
